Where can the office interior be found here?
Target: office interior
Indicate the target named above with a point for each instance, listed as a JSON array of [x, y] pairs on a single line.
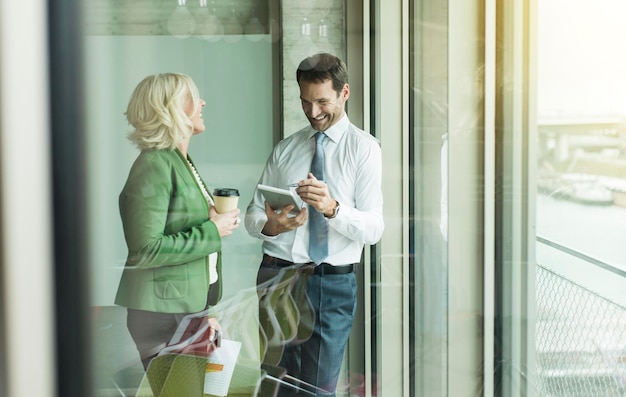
[[501, 123]]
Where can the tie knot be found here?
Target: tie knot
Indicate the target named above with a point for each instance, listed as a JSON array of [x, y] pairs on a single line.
[[319, 137]]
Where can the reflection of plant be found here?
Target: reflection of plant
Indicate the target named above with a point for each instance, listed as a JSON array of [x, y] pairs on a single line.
[[356, 385]]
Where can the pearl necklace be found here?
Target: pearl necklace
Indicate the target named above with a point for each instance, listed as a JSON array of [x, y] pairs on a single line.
[[206, 194]]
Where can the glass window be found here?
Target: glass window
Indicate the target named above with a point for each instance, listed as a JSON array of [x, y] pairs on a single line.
[[580, 338], [228, 50], [500, 268], [242, 56], [448, 218], [428, 224]]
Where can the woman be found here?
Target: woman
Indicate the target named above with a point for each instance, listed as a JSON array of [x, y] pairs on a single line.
[[172, 230]]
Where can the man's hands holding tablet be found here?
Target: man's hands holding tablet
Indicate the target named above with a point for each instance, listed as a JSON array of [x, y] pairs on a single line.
[[283, 209]]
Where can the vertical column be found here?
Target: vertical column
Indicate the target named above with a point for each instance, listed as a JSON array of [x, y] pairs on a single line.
[[466, 196], [25, 264], [390, 113]]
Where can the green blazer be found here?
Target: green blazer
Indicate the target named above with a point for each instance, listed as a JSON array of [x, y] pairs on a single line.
[[169, 237]]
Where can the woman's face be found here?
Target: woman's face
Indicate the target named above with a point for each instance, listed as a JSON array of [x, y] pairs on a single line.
[[195, 115]]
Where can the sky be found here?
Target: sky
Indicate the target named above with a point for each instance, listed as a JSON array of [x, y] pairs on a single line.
[[581, 58]]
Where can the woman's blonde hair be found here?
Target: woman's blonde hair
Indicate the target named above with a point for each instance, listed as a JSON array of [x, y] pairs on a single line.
[[156, 110]]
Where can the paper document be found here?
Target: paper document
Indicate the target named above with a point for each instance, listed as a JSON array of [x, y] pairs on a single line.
[[220, 367]]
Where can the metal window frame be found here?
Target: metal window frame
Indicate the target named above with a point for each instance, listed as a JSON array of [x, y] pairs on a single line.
[[515, 156]]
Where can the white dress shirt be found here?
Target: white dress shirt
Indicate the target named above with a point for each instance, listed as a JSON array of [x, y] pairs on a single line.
[[353, 171]]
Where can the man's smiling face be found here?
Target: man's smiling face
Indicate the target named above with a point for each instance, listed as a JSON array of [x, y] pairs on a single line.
[[321, 104]]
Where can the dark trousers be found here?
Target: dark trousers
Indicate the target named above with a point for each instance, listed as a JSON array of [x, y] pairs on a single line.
[[151, 331], [313, 363]]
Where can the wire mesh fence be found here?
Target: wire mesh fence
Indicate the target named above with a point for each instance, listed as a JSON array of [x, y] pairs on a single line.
[[580, 340]]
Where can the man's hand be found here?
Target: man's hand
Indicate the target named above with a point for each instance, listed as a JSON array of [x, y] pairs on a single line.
[[278, 223], [315, 193]]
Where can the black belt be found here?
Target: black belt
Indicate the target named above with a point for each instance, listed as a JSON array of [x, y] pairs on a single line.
[[321, 269]]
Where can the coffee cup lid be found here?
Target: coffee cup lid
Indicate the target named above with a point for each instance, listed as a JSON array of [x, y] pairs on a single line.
[[226, 192]]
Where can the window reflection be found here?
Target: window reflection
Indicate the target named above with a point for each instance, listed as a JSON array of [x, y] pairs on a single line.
[[581, 181], [231, 50]]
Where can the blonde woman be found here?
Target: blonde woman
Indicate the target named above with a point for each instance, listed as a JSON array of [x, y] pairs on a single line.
[[171, 228]]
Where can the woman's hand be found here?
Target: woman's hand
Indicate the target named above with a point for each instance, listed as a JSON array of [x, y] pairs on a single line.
[[226, 222], [215, 334]]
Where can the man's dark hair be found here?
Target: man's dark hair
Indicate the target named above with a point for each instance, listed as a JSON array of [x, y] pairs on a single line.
[[321, 67]]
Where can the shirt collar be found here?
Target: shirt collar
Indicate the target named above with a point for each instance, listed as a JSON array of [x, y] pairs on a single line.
[[336, 131]]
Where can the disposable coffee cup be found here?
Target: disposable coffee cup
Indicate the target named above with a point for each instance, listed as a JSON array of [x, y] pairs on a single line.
[[225, 199]]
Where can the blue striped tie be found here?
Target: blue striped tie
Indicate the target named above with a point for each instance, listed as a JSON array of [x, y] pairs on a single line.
[[318, 226]]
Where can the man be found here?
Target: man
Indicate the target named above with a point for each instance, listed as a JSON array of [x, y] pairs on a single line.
[[338, 177]]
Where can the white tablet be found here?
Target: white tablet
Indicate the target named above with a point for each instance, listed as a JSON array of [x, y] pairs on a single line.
[[279, 198]]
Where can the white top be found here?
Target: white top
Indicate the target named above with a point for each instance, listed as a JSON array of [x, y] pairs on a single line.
[[353, 170], [213, 275]]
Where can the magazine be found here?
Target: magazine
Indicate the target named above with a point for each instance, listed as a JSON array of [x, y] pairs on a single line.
[[191, 338]]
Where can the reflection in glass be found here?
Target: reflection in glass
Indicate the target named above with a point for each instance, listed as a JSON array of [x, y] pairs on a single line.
[[232, 26], [181, 23], [208, 25], [581, 180], [254, 26]]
